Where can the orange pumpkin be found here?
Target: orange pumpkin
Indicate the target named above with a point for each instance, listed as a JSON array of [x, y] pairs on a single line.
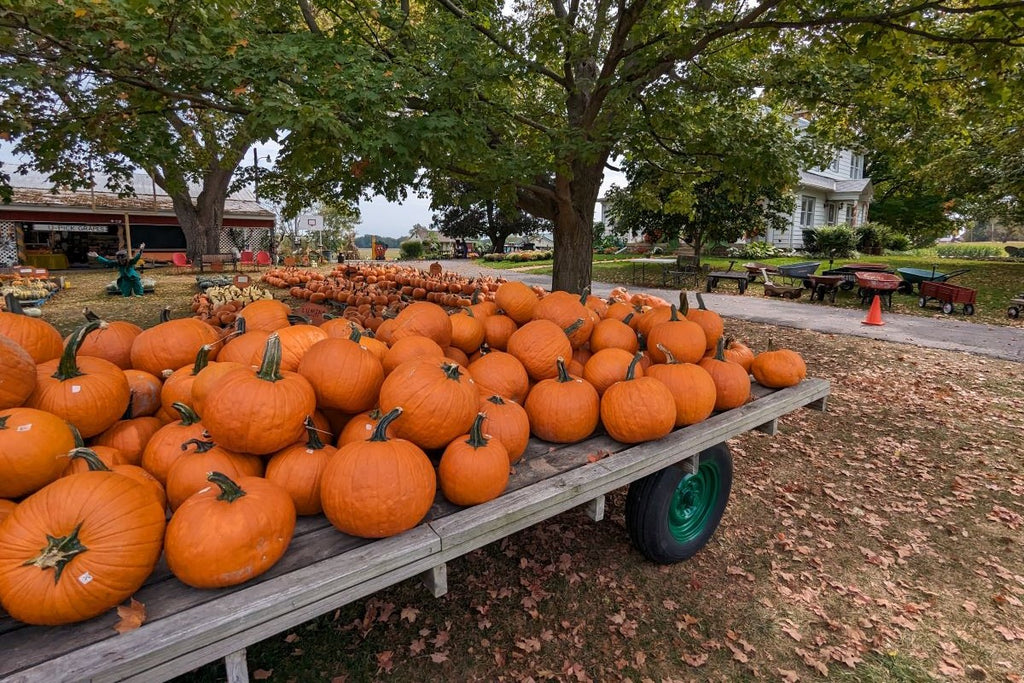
[[39, 338], [78, 547], [684, 338], [267, 315], [438, 399], [423, 319], [607, 367], [564, 409], [32, 446], [17, 374], [168, 443], [691, 387], [130, 437], [778, 368], [253, 519], [208, 378], [145, 393], [507, 422], [361, 426], [537, 345], [296, 340], [353, 390], [172, 345], [187, 474], [738, 352], [517, 300], [638, 408], [497, 372], [112, 341], [299, 468], [411, 348], [467, 332], [6, 508], [732, 382], [378, 487], [177, 386], [710, 321], [613, 334], [497, 330], [473, 468], [95, 464], [565, 309]]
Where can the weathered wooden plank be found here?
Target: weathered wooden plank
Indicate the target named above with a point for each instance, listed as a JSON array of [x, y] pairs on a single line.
[[243, 617], [595, 509], [517, 510], [436, 580], [236, 667], [771, 427]]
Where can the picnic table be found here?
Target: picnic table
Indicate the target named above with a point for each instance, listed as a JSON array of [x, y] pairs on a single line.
[[325, 569]]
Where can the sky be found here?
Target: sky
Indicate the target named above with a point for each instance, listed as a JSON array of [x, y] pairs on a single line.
[[378, 215]]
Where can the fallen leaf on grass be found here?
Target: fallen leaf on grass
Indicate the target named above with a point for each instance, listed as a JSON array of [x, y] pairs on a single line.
[[439, 657], [131, 616], [788, 675], [409, 614], [262, 674], [599, 455], [696, 661], [384, 661]]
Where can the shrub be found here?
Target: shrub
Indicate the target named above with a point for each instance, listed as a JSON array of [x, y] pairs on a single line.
[[872, 237], [494, 257], [411, 249], [831, 241], [755, 251], [969, 251], [897, 241]]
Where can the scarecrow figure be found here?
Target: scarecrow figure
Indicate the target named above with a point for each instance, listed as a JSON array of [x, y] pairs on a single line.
[[128, 279]]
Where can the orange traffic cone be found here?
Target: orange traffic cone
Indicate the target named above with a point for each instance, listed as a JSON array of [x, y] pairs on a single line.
[[875, 313]]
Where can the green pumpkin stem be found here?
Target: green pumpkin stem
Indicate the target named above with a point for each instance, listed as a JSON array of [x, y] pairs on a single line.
[[675, 314], [187, 414], [68, 366], [355, 335], [313, 441], [270, 369], [496, 400], [575, 326], [3, 421], [684, 303], [669, 358], [58, 552], [165, 315], [584, 294], [77, 436], [563, 374], [90, 458], [202, 358], [201, 446], [229, 490], [380, 432], [628, 318], [476, 432], [475, 299], [700, 302], [13, 304], [89, 315], [720, 349], [631, 370], [452, 371]]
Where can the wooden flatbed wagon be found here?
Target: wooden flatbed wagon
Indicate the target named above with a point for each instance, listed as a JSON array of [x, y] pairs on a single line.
[[678, 490]]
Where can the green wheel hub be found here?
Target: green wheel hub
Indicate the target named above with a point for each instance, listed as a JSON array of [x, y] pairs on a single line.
[[693, 502]]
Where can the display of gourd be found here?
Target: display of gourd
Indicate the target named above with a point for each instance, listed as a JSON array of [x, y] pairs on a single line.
[[264, 407]]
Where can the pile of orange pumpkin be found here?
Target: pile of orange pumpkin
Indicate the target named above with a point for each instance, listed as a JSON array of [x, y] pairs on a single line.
[[241, 433]]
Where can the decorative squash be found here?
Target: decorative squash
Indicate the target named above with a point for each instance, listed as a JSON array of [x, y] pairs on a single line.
[[172, 344], [229, 533], [95, 464], [168, 443], [259, 412], [684, 338], [565, 309], [378, 487], [439, 401], [32, 446], [299, 468], [638, 408], [39, 338], [732, 382], [538, 345], [517, 300], [710, 321], [507, 422], [613, 334], [145, 393], [474, 468], [564, 409], [691, 387], [607, 367], [17, 374], [90, 393], [187, 474], [130, 437], [423, 319], [111, 342], [778, 368], [467, 332], [411, 348], [353, 389], [497, 372], [497, 330], [78, 547]]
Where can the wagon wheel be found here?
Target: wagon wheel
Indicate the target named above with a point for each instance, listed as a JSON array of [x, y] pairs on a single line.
[[710, 284], [743, 286], [922, 302], [1013, 312], [808, 284], [671, 514], [846, 286], [947, 307], [968, 309], [905, 287]]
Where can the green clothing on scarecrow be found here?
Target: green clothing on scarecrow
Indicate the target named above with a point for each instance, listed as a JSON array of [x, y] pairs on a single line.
[[128, 279]]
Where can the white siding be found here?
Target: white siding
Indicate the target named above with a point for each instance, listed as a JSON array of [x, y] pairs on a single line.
[[793, 237], [845, 169]]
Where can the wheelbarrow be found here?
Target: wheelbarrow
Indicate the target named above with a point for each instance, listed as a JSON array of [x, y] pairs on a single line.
[[785, 291], [949, 295], [871, 283], [917, 276], [754, 269], [1016, 306], [799, 271], [847, 272], [825, 285]]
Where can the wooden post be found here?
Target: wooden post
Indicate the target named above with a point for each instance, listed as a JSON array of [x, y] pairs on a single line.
[[236, 667], [128, 235]]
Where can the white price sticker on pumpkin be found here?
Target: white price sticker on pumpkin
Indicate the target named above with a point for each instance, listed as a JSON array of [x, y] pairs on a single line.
[[85, 578], [24, 428], [75, 388]]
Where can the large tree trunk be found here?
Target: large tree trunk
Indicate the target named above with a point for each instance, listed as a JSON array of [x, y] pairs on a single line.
[[574, 226], [202, 218]]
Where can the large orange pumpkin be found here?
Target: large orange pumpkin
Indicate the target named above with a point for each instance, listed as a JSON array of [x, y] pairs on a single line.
[[33, 444], [168, 443], [732, 382], [438, 399], [691, 387], [90, 393], [296, 340], [684, 338], [414, 347], [177, 386], [608, 366], [230, 532], [187, 474], [17, 374], [41, 339], [564, 409], [299, 468], [517, 300], [423, 319], [611, 333], [497, 330], [638, 408], [265, 314], [378, 487], [78, 547], [259, 412], [565, 309], [172, 345], [537, 345], [507, 422], [473, 468], [467, 331], [344, 375], [497, 372], [112, 341]]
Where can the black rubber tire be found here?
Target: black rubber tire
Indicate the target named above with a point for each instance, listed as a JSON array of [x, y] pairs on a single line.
[[846, 285], [649, 502], [743, 286], [968, 309], [947, 308], [1013, 312], [922, 302], [905, 287]]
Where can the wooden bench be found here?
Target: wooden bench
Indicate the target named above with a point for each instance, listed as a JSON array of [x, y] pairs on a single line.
[[325, 569], [217, 261]]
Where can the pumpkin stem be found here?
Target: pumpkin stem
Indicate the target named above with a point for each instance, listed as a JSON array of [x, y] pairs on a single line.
[[476, 432], [380, 432], [165, 315], [641, 341], [631, 370], [201, 446], [496, 400], [452, 370], [77, 436], [202, 358], [584, 294], [270, 369], [355, 335], [575, 326], [89, 315], [13, 305], [3, 421], [188, 416], [771, 344], [313, 439], [475, 299], [684, 303], [229, 490], [628, 318], [90, 458], [563, 374], [68, 366], [239, 325], [669, 358], [675, 314], [296, 319], [720, 349], [485, 349], [700, 302], [57, 553]]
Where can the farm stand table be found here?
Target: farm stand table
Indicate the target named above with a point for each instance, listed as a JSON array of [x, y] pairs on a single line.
[[325, 569]]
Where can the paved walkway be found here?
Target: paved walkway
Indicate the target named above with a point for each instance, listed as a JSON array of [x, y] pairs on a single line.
[[948, 333]]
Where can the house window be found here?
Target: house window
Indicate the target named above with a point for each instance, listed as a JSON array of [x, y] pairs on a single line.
[[831, 213], [806, 212], [856, 166], [849, 214]]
